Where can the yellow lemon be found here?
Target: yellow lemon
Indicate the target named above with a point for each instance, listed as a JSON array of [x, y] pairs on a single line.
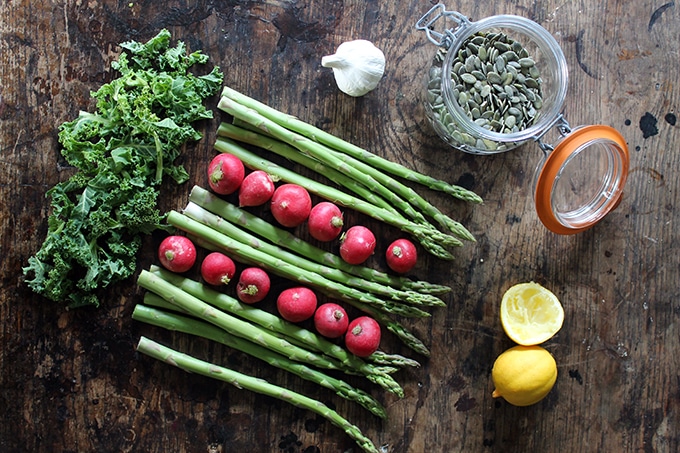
[[523, 375], [530, 314]]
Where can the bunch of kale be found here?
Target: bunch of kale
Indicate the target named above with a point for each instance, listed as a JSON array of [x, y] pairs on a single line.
[[122, 152]]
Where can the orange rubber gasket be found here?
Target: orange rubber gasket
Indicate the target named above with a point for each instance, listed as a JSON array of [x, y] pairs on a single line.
[[573, 141]]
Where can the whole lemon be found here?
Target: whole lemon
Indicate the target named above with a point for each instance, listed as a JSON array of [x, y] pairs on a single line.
[[523, 375]]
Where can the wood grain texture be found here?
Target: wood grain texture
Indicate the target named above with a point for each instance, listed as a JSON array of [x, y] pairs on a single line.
[[71, 381]]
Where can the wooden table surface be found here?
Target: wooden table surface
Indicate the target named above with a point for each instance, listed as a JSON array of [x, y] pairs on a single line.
[[71, 381]]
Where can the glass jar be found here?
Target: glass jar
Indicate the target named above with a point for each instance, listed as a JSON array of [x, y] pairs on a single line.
[[500, 82]]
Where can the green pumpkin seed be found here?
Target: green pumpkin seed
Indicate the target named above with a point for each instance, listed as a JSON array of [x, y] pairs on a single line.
[[493, 78], [479, 75], [434, 83], [531, 83], [517, 47], [510, 56], [534, 72], [478, 40], [526, 62], [482, 53], [486, 91], [514, 111], [470, 63], [501, 46], [500, 64], [468, 78]]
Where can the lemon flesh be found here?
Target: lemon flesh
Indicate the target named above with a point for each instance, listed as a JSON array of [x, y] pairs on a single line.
[[530, 314], [524, 375]]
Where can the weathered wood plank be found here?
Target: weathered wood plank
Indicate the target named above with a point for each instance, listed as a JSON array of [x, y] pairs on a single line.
[[71, 381]]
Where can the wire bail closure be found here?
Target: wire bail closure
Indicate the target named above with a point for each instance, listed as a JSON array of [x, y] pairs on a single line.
[[426, 24], [562, 126]]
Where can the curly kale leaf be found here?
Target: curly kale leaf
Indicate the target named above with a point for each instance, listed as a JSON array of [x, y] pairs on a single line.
[[123, 151]]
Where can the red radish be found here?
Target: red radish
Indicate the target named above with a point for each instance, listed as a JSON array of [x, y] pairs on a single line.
[[363, 336], [253, 285], [291, 205], [331, 320], [325, 221], [296, 304], [358, 243], [225, 173], [177, 253], [401, 256], [256, 189], [217, 269]]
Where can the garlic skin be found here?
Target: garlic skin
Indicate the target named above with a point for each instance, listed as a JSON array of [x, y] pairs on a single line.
[[357, 66]]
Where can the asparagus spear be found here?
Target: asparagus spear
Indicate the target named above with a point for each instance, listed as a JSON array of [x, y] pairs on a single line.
[[292, 332], [357, 171], [179, 323], [373, 290], [243, 381], [231, 324], [257, 138], [392, 359], [433, 240], [337, 143], [249, 254], [284, 238]]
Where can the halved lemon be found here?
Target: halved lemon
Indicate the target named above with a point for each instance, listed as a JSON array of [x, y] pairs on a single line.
[[530, 314]]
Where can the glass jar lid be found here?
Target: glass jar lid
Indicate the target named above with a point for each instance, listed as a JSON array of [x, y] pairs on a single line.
[[581, 180]]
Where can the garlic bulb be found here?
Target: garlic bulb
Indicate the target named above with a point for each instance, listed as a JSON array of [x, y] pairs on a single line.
[[357, 66]]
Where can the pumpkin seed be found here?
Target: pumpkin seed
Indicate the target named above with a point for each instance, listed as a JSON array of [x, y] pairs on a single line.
[[478, 40], [486, 91], [501, 46], [534, 72], [493, 78], [531, 82], [517, 47], [479, 75], [468, 78], [514, 111], [482, 53], [526, 62]]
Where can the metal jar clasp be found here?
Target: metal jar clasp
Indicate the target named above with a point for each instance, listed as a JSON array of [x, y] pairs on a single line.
[[562, 127], [426, 24]]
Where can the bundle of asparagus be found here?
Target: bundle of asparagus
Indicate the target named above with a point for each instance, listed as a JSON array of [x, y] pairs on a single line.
[[371, 178], [180, 304]]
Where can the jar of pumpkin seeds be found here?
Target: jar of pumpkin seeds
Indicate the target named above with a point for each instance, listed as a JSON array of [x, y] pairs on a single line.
[[493, 84], [500, 82]]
